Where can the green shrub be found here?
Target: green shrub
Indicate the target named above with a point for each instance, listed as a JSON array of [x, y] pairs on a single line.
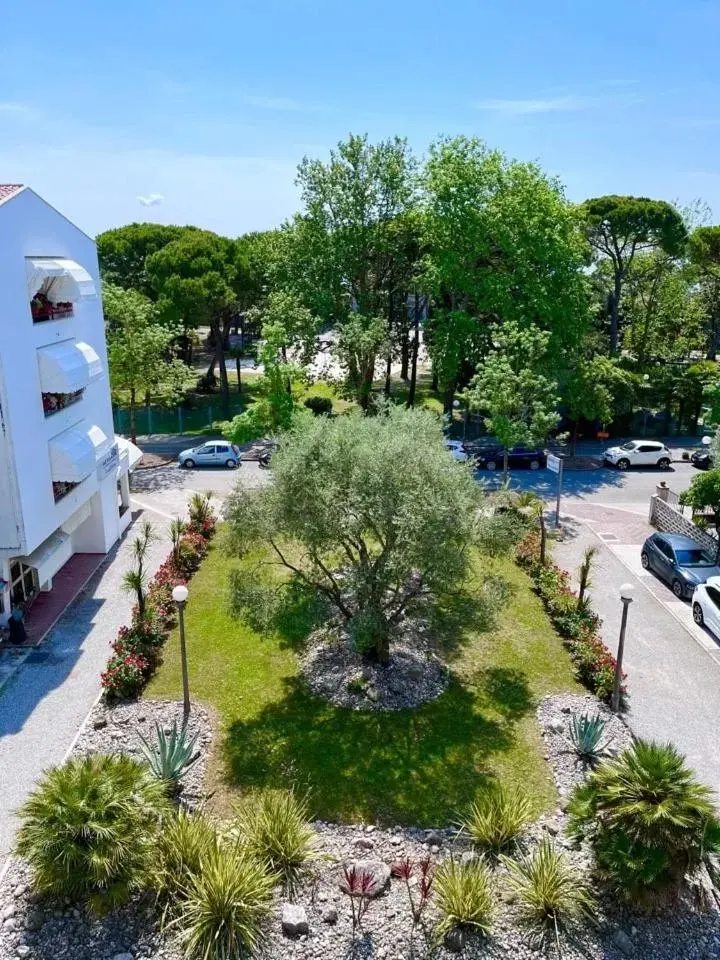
[[184, 843], [273, 827], [89, 829], [649, 820], [552, 895], [497, 818], [124, 676], [586, 733], [170, 755], [464, 895], [224, 905], [319, 405]]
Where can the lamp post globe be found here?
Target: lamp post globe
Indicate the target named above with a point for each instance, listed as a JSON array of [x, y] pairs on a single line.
[[180, 593]]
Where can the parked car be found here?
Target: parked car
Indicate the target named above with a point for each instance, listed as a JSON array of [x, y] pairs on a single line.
[[639, 453], [457, 450], [523, 458], [706, 605], [680, 561], [702, 460], [213, 453]]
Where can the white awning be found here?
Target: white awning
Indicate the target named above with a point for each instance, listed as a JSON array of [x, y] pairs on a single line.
[[74, 453], [61, 281], [128, 448], [50, 556], [67, 367]]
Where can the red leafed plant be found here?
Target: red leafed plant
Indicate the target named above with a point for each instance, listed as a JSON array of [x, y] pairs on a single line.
[[405, 870], [360, 885]]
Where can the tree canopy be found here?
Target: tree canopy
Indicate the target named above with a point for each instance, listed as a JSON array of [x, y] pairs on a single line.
[[122, 253]]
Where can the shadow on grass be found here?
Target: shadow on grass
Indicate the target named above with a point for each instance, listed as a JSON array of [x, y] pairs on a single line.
[[401, 767], [458, 617]]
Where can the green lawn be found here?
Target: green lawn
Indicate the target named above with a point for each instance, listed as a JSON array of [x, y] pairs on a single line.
[[419, 767]]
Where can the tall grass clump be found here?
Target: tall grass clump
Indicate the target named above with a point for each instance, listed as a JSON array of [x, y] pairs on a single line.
[[464, 895], [89, 829], [497, 818], [185, 842]]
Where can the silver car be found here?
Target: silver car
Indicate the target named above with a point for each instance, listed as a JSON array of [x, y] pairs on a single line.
[[213, 453]]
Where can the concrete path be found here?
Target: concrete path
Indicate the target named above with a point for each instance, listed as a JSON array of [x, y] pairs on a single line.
[[44, 704], [673, 673]]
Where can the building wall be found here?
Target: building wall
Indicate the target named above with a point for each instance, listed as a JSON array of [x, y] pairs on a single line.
[[667, 519], [29, 227]]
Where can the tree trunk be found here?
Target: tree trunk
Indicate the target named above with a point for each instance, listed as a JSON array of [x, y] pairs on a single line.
[[449, 398], [505, 464], [404, 353], [133, 423], [220, 359], [388, 373], [237, 370], [414, 353], [615, 314]]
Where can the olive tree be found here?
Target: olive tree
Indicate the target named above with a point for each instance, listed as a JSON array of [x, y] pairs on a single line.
[[372, 513]]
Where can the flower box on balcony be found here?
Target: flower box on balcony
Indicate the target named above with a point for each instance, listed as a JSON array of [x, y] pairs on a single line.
[[62, 489], [53, 402], [42, 309]]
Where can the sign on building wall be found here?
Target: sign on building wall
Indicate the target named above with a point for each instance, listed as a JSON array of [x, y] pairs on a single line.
[[109, 462]]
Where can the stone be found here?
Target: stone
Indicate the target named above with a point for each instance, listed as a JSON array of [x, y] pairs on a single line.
[[123, 956], [396, 841], [294, 920], [379, 871], [435, 849], [330, 916], [434, 838], [23, 950], [455, 940], [8, 912], [364, 843], [557, 726], [100, 723], [552, 827], [372, 694], [370, 828], [468, 856], [623, 942], [34, 919]]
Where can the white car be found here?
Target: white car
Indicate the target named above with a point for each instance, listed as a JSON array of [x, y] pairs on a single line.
[[457, 450], [706, 605], [639, 453]]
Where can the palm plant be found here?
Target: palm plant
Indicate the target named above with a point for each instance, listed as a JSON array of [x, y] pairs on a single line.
[[224, 905], [135, 580], [586, 733], [584, 580], [170, 755], [552, 895], [274, 828], [88, 829], [650, 822], [497, 818], [533, 507], [464, 895]]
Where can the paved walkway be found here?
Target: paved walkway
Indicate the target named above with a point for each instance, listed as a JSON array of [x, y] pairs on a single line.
[[673, 674], [45, 702]]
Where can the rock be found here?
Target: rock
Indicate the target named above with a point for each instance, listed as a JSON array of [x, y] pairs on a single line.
[[379, 871], [435, 849], [455, 940], [434, 838], [34, 919], [370, 828], [8, 912], [557, 726], [372, 694], [623, 942], [123, 956], [20, 890], [100, 723], [23, 950], [468, 856], [567, 709], [330, 916], [294, 920], [396, 841], [364, 844], [552, 827]]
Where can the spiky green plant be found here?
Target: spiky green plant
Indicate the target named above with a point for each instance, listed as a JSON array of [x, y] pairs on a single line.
[[177, 528], [135, 580], [584, 575], [586, 733], [464, 895], [552, 895], [648, 819], [224, 905], [170, 755], [497, 818], [273, 826], [184, 843], [89, 829]]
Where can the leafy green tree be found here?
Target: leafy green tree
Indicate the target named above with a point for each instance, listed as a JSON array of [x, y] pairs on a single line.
[[370, 512], [141, 350], [194, 277], [704, 493], [618, 228], [587, 395], [501, 244], [122, 253], [510, 387], [704, 250]]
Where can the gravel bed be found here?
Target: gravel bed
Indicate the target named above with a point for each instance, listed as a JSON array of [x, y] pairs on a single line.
[[334, 670]]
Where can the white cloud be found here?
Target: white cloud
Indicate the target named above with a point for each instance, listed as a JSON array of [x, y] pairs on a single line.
[[151, 200], [549, 105]]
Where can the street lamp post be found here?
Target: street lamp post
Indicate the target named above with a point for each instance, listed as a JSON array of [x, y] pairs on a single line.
[[626, 595], [180, 595]]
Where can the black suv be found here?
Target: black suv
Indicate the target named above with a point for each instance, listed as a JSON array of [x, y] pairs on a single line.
[[519, 458]]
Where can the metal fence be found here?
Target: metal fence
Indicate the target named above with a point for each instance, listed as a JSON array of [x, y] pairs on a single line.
[[193, 418]]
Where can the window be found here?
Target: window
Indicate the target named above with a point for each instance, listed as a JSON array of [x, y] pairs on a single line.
[[22, 582], [714, 595], [664, 548], [695, 558], [649, 448], [629, 446]]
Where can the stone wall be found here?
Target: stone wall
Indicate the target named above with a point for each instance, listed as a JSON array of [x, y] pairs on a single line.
[[668, 519]]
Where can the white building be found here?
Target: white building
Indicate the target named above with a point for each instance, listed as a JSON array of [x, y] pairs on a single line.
[[63, 476]]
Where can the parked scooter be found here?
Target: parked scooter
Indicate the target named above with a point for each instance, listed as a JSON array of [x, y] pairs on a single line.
[[264, 460]]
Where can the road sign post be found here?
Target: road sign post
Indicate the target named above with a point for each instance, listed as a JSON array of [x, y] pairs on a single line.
[[555, 464]]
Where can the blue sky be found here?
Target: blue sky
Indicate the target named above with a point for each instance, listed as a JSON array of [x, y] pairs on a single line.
[[210, 105]]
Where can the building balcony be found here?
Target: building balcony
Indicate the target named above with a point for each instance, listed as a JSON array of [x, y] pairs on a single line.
[[54, 285], [55, 402], [43, 310], [61, 488]]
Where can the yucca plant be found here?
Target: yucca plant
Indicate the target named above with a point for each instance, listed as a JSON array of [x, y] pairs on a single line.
[[586, 733], [497, 818], [136, 580], [89, 829], [464, 895], [584, 575], [273, 826], [185, 842], [170, 755], [224, 905], [177, 529], [552, 895], [649, 820]]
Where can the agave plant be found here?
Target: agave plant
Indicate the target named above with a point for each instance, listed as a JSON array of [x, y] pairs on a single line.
[[552, 895], [586, 733], [171, 755]]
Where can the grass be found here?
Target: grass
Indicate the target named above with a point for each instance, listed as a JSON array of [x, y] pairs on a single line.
[[421, 767]]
